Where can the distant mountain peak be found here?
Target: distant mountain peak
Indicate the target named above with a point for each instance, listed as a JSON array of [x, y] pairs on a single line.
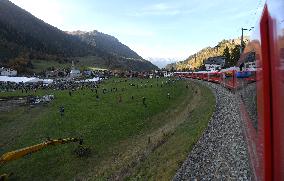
[[162, 62]]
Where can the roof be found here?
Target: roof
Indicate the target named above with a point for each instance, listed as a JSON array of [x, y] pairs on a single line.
[[247, 57], [216, 60], [74, 71]]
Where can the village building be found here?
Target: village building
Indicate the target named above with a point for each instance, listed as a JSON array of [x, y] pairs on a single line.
[[55, 73], [168, 74], [88, 73], [8, 72], [74, 72], [215, 63], [248, 61]]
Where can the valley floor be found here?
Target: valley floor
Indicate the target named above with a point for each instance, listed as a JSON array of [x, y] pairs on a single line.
[[128, 140]]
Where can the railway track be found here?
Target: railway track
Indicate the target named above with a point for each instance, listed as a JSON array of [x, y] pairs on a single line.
[[221, 153]]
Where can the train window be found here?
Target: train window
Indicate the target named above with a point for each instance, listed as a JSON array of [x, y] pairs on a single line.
[[247, 81]]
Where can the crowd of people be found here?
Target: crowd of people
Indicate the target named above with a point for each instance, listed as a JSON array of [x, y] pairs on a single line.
[[56, 85], [96, 87]]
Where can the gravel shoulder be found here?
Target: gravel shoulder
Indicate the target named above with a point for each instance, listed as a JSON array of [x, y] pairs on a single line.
[[221, 153]]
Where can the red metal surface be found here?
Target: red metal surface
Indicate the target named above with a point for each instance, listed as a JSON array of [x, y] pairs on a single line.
[[229, 79], [264, 98], [276, 37], [214, 77], [260, 139], [205, 76]]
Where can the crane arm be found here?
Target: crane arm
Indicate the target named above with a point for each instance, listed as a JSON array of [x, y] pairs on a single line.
[[13, 155]]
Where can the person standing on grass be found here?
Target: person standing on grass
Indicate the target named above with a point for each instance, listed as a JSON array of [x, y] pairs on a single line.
[[144, 101], [169, 96], [61, 110]]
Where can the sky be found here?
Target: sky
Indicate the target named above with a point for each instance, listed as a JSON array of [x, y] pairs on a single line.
[[152, 28]]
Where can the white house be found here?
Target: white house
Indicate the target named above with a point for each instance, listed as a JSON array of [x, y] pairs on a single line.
[[7, 72], [74, 72], [168, 74], [215, 63], [250, 62]]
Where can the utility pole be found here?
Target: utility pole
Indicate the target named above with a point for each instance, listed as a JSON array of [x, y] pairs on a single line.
[[242, 40]]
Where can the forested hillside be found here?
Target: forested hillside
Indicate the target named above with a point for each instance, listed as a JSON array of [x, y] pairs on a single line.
[[228, 48], [116, 54], [106, 43], [24, 38]]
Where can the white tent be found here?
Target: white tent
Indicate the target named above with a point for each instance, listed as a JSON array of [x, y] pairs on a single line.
[[24, 79], [47, 81], [15, 79], [95, 79], [34, 80]]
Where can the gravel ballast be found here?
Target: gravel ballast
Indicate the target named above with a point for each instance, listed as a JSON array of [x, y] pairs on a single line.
[[221, 152]]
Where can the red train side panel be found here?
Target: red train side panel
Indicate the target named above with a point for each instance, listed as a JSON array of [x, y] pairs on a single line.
[[266, 140], [276, 42]]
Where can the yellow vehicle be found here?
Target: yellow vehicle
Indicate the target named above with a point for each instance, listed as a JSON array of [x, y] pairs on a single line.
[[13, 155]]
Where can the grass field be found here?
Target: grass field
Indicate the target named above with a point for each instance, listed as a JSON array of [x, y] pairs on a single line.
[[128, 141]]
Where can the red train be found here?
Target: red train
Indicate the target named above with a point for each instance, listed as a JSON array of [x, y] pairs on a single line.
[[259, 82]]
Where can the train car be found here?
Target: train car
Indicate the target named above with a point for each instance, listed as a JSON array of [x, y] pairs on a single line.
[[188, 75], [214, 77], [199, 75], [205, 76], [262, 93], [181, 74], [247, 64], [194, 75], [228, 77]]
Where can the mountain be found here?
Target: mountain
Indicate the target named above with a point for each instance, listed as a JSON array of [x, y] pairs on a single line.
[[24, 38], [162, 62], [106, 43], [21, 31], [115, 50], [196, 61]]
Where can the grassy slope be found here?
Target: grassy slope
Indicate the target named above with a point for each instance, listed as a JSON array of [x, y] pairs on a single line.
[[116, 132], [165, 160], [88, 61]]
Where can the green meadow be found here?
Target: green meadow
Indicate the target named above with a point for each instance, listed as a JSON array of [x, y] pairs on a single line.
[[128, 140]]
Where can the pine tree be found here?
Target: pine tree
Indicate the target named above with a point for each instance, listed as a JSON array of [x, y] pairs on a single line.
[[227, 55], [235, 56]]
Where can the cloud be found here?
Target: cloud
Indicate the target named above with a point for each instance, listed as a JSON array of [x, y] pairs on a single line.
[[159, 9], [160, 51]]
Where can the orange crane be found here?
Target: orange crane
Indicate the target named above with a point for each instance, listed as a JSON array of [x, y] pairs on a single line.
[[13, 155]]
